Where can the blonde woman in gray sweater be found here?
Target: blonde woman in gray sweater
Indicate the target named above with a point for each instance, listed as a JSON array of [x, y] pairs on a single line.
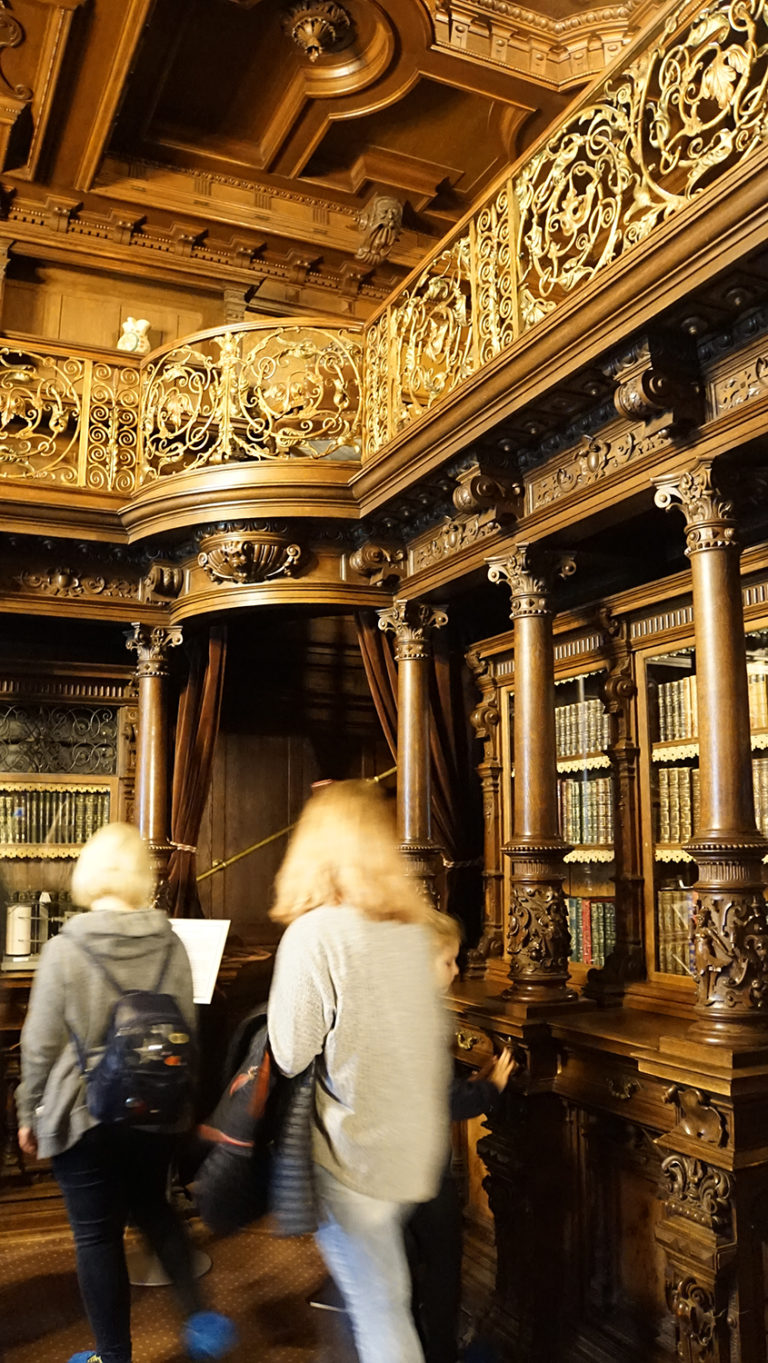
[[354, 987], [108, 1171]]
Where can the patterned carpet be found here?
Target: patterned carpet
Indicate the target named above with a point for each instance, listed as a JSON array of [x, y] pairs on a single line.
[[261, 1281]]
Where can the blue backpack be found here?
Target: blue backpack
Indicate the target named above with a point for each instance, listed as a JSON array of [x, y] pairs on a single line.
[[143, 1075]]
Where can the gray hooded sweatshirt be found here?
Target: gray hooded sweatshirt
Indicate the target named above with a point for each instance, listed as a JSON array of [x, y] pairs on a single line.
[[69, 991]]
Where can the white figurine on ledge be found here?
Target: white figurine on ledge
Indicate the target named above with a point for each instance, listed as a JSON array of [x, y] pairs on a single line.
[[134, 336]]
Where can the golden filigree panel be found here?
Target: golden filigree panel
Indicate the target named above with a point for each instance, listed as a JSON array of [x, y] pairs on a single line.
[[113, 427], [424, 345], [689, 107], [246, 394], [40, 413]]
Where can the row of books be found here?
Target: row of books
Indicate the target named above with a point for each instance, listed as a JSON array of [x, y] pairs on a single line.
[[679, 803], [760, 784], [677, 705], [758, 695], [673, 930], [583, 727], [586, 809], [677, 709], [679, 814], [592, 925], [61, 817]]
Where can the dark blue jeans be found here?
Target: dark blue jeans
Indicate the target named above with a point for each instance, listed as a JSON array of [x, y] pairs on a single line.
[[113, 1175]]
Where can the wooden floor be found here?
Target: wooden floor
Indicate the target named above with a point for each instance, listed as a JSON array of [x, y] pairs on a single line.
[[263, 1282]]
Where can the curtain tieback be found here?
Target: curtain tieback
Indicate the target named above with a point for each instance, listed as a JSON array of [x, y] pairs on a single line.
[[183, 847]]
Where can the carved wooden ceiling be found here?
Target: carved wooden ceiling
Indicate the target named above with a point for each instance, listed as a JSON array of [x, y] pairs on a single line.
[[269, 147]]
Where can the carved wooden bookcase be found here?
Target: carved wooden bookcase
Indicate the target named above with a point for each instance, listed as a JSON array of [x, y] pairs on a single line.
[[67, 759], [627, 1156]]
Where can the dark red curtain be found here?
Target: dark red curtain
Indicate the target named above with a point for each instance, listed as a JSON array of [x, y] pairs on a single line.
[[196, 732], [456, 793]]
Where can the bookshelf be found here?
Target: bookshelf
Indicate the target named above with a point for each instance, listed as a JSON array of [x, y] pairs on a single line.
[[587, 821], [672, 805], [64, 765], [673, 794]]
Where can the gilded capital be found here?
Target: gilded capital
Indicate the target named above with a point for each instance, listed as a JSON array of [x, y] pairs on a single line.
[[412, 623], [152, 647], [529, 572], [709, 516]]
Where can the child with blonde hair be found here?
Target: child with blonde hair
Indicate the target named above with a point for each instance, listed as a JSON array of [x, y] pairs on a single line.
[[434, 1231]]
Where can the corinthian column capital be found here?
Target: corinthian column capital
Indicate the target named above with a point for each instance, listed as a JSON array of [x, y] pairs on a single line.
[[152, 646], [709, 515], [529, 573], [412, 623]]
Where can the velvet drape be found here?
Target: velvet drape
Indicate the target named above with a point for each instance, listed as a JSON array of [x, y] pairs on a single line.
[[456, 794], [196, 732]]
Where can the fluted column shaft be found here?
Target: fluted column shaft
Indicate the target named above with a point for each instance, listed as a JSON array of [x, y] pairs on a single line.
[[730, 928], [152, 646], [537, 937], [412, 623]]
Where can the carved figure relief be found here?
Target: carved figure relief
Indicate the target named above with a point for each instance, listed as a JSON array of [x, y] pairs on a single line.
[[134, 336], [380, 223]]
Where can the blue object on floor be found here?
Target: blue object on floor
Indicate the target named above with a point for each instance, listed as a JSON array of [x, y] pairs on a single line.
[[85, 1356], [209, 1335], [480, 1351]]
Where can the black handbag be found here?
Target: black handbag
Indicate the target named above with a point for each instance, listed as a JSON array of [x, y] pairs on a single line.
[[259, 1139]]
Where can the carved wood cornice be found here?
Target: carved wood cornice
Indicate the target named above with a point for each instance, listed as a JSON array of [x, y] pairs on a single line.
[[558, 52], [60, 228]]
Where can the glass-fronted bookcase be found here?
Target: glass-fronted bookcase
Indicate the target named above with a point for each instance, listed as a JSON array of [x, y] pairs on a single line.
[[585, 797], [670, 790], [585, 793], [63, 767]]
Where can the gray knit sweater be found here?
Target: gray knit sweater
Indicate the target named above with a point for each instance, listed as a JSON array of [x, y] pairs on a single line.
[[362, 995], [69, 991]]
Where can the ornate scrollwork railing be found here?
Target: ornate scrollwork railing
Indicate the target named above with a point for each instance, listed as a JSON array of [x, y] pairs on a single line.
[[240, 393], [689, 104], [250, 393], [65, 419]]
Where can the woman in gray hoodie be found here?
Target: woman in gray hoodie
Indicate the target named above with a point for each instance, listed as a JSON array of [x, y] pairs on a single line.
[[108, 1171]]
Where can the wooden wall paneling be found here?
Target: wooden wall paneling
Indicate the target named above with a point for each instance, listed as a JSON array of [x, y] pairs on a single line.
[[88, 309]]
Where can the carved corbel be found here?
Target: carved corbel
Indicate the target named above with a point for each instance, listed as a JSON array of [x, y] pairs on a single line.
[[248, 557], [59, 211], [657, 382], [383, 565], [479, 489], [184, 239], [381, 224], [162, 582]]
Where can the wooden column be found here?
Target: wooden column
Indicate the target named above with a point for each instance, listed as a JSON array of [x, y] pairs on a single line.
[[412, 623], [538, 938], [151, 646], [730, 927], [485, 720]]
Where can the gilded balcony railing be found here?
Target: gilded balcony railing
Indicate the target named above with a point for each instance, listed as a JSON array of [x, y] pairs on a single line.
[[68, 420], [252, 392], [689, 102], [241, 393]]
